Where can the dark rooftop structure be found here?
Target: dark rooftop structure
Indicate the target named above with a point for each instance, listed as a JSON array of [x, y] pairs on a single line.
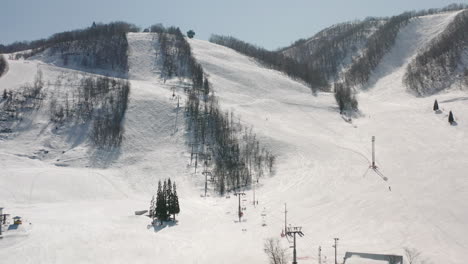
[[392, 259]]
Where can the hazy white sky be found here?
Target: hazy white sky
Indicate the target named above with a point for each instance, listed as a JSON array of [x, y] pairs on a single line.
[[268, 23]]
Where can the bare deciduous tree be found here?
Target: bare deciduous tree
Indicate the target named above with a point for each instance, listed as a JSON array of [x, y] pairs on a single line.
[[275, 252], [412, 255]]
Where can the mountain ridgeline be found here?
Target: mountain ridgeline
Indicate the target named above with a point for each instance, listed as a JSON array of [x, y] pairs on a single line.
[[341, 58], [332, 49], [347, 54]]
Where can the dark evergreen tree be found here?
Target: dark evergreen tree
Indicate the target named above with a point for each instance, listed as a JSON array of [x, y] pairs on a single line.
[[3, 65], [450, 118], [5, 94], [175, 209], [161, 208], [168, 189], [190, 33], [436, 105], [168, 196], [152, 208]]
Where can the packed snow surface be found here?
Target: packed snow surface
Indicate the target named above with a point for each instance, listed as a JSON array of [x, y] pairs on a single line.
[[84, 213]]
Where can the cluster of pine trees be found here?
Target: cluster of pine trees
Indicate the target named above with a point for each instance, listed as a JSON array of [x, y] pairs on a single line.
[[101, 100], [276, 60], [3, 65], [434, 69], [165, 203]]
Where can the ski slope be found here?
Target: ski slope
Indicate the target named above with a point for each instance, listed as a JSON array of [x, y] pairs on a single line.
[[323, 162], [81, 202]]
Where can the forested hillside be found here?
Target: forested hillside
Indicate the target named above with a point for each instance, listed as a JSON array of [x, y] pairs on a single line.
[[302, 71], [101, 46], [332, 49], [444, 62]]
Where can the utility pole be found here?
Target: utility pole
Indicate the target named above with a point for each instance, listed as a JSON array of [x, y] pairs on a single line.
[[196, 161], [373, 153], [206, 172], [335, 246], [320, 255], [191, 153], [196, 155], [285, 219], [292, 231], [253, 184], [177, 115], [2, 220], [239, 194]]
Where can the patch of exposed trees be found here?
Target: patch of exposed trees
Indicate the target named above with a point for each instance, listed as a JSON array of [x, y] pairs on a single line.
[[101, 46], [358, 74], [376, 47], [102, 101], [436, 67], [217, 138], [220, 140], [174, 52], [330, 50], [346, 99], [165, 203], [276, 60], [24, 100], [276, 253], [3, 65]]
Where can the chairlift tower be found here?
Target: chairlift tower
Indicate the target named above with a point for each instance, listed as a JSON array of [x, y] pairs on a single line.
[[239, 194], [292, 231]]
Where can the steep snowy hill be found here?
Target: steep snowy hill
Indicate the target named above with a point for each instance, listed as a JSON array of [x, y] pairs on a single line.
[[81, 202]]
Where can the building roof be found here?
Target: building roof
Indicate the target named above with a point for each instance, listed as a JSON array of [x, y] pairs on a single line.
[[392, 259]]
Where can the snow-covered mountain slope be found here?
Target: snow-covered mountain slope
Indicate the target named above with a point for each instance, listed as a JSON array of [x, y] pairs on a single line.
[[323, 162], [388, 76], [332, 49], [83, 213]]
